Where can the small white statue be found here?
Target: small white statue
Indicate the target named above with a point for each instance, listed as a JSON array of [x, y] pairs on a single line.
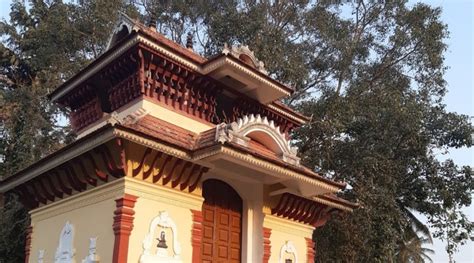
[[40, 255], [65, 250], [92, 257]]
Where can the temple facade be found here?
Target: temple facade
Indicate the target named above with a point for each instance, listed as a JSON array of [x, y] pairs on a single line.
[[179, 158]]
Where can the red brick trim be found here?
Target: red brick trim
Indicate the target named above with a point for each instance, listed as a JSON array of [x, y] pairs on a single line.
[[267, 232], [123, 226], [196, 235], [311, 251], [29, 232]]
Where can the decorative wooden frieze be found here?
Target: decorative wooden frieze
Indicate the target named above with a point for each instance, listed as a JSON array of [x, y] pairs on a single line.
[[267, 232], [168, 247], [104, 164], [76, 175], [302, 210], [168, 171], [261, 129], [288, 248], [177, 86], [65, 251], [123, 226]]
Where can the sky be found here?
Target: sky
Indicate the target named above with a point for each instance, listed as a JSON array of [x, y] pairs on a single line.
[[459, 16]]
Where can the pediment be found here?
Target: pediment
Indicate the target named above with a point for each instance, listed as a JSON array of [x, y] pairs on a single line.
[[244, 54], [124, 26], [262, 130]]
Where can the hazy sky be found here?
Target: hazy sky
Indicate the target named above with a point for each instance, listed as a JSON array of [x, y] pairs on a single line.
[[458, 14]]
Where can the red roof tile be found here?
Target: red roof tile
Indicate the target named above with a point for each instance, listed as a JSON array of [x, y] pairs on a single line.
[[160, 38], [183, 138], [165, 131], [336, 199]]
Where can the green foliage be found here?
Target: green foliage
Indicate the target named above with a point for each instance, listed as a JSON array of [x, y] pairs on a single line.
[[370, 73], [44, 43], [411, 248], [14, 220]]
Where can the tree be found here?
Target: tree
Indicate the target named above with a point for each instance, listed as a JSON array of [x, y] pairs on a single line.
[[370, 74], [44, 43], [412, 249]]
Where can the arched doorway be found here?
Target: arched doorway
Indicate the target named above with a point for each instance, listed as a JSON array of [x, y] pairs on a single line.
[[222, 223]]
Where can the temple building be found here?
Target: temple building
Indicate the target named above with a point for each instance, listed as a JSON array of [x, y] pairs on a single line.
[[179, 158]]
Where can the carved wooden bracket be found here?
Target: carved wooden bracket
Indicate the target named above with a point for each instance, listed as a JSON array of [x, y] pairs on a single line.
[[302, 210]]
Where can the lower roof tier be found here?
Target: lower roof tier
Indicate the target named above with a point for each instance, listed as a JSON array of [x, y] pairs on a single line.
[[157, 152]]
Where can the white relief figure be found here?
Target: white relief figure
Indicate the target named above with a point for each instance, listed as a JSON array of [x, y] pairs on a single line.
[[65, 250], [92, 257], [41, 256], [288, 248], [164, 253]]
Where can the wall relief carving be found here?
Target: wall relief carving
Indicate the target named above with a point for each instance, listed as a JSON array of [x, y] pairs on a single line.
[[288, 253], [161, 242], [41, 256], [65, 251], [92, 257]]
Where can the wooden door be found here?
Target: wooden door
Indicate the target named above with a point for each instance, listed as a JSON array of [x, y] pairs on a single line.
[[222, 223]]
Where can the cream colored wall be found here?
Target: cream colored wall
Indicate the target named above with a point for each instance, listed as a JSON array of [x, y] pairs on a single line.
[[91, 214], [153, 199], [286, 230]]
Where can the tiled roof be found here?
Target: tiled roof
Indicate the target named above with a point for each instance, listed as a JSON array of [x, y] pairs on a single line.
[[334, 198], [183, 138], [290, 110], [160, 38], [165, 131]]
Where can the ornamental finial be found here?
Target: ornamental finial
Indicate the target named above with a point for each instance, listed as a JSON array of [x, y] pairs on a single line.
[[189, 41]]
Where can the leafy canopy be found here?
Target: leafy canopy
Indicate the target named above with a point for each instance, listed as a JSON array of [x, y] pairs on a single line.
[[370, 73]]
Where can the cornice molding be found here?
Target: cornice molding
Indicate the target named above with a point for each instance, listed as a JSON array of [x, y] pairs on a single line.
[[332, 204], [287, 226], [89, 197], [58, 159], [278, 169], [225, 60], [162, 194], [286, 113], [153, 144], [164, 51]]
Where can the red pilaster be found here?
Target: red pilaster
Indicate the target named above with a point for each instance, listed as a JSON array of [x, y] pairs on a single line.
[[267, 232], [29, 232], [311, 253], [196, 237], [123, 226]]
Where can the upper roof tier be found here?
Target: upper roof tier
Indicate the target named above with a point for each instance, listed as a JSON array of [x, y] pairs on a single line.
[[142, 64], [237, 67]]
